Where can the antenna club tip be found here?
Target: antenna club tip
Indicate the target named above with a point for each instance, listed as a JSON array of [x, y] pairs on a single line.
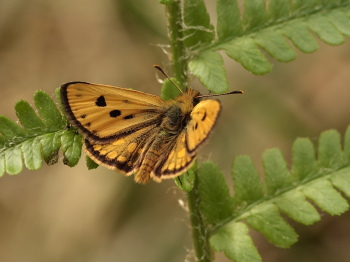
[[236, 92], [160, 69]]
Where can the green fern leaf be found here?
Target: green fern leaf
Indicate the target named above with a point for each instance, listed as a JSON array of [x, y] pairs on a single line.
[[49, 112], [198, 29], [255, 14], [51, 144], [229, 19], [217, 203], [301, 37], [341, 180], [248, 186], [294, 204], [31, 150], [330, 154], [305, 165], [10, 129], [246, 52], [267, 219], [325, 196], [234, 239], [39, 137], [90, 163], [186, 181], [31, 122], [13, 161], [209, 67], [274, 29], [340, 21], [277, 176], [325, 30], [286, 191], [278, 9], [72, 144]]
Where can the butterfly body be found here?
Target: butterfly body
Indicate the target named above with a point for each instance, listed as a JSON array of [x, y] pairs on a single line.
[[138, 133]]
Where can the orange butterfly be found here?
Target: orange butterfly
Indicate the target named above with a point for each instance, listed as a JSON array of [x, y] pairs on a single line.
[[139, 133]]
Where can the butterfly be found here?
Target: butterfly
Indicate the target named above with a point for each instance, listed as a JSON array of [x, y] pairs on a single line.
[[138, 133]]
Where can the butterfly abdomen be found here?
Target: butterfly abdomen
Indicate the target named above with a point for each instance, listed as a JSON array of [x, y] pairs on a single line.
[[150, 159]]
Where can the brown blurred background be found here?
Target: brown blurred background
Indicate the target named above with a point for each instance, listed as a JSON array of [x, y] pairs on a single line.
[[72, 214]]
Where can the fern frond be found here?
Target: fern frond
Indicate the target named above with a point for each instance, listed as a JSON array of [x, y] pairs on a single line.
[[320, 181], [244, 38], [38, 137]]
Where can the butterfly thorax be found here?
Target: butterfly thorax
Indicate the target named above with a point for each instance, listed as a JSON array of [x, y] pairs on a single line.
[[178, 112]]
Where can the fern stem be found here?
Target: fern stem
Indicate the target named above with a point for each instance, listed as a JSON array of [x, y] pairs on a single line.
[[199, 228], [178, 49], [180, 67]]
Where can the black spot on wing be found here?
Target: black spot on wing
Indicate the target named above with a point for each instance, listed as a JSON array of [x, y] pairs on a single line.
[[83, 116], [101, 101], [115, 113], [204, 116], [129, 117]]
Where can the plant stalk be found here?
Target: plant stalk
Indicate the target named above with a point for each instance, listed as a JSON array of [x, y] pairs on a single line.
[[180, 67], [199, 228], [178, 50]]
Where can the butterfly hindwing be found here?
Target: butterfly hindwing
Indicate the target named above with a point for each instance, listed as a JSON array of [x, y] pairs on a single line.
[[203, 118], [124, 154], [105, 113], [176, 161]]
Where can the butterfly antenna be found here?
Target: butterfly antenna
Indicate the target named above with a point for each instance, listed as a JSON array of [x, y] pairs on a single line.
[[161, 70], [229, 93]]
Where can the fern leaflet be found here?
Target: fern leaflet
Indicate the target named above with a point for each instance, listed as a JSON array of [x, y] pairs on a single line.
[[38, 137], [289, 191], [272, 28]]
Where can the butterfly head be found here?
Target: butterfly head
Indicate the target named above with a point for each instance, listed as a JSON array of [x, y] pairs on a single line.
[[189, 95]]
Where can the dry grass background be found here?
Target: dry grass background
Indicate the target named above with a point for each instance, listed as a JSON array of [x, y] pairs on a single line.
[[71, 214]]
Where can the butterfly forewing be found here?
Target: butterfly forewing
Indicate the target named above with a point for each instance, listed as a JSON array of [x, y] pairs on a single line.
[[203, 118], [105, 113]]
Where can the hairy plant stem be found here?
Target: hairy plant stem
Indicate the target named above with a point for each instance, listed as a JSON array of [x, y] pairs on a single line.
[[178, 49], [180, 67], [199, 228]]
